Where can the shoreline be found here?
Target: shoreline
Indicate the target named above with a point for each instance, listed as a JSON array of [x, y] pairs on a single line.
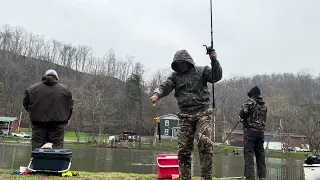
[[224, 150]]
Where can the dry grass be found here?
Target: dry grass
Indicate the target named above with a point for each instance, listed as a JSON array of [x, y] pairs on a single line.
[[5, 174]]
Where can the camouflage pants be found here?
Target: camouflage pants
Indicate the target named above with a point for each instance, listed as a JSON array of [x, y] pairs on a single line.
[[253, 145], [42, 134], [198, 128]]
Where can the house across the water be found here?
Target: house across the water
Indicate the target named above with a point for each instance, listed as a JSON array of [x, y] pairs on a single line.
[[8, 125], [169, 126]]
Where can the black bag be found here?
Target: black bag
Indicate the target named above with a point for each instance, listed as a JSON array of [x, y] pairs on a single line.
[[50, 161], [312, 159]]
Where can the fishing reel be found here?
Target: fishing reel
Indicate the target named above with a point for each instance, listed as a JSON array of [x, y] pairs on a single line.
[[208, 49]]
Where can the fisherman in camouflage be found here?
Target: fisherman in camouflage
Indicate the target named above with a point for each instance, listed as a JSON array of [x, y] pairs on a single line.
[[191, 91], [254, 114]]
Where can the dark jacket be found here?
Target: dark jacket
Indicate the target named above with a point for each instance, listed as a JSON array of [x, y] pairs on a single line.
[[245, 111], [191, 90], [48, 101]]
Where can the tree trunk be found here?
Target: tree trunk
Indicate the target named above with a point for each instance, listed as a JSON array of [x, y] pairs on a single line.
[[77, 130], [30, 126], [140, 118], [77, 136], [100, 129], [93, 133]]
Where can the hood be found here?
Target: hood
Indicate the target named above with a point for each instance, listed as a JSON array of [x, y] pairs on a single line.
[[255, 93], [49, 80], [182, 55]]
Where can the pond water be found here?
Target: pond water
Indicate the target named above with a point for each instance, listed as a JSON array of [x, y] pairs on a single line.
[[93, 159]]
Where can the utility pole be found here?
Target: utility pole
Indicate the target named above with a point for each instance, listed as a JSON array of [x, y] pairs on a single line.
[[281, 139], [19, 121], [214, 129], [155, 134]]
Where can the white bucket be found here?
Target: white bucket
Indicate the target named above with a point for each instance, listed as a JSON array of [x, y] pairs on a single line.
[[311, 171], [22, 169]]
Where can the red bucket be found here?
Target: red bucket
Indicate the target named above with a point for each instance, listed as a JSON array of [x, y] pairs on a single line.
[[168, 166]]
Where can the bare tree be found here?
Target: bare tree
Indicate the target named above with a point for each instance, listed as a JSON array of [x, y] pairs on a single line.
[[309, 124], [112, 93]]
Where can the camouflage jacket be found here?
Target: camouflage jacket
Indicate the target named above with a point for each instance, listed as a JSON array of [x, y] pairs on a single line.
[[253, 112], [191, 90]]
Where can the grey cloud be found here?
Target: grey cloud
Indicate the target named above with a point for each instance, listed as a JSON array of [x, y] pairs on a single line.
[[251, 37]]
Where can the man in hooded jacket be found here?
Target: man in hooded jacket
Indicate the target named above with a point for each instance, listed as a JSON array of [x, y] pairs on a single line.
[[50, 106], [191, 91], [254, 115]]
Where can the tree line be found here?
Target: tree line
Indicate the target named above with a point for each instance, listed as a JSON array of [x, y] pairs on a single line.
[[112, 94]]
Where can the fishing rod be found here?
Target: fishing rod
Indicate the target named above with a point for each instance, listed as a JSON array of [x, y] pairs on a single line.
[[229, 134], [209, 50]]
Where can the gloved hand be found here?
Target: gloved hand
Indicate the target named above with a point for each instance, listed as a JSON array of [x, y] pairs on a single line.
[[213, 55]]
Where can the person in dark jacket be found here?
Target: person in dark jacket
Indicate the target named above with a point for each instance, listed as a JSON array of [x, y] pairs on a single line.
[[50, 106], [254, 115], [191, 91]]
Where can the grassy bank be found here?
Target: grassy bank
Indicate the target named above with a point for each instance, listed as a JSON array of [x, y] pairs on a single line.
[[68, 136], [6, 174], [268, 153], [166, 144]]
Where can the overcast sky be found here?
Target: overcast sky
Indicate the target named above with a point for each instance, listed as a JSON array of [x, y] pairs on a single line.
[[250, 36]]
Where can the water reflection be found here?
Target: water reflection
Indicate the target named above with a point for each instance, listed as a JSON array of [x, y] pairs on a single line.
[[125, 160]]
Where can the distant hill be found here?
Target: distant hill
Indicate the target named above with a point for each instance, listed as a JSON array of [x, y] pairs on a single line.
[[112, 95], [19, 72], [33, 70]]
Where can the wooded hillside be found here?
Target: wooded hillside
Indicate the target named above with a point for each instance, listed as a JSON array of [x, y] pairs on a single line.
[[112, 94]]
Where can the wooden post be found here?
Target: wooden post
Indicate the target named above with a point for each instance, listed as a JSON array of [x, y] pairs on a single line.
[[158, 120]]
